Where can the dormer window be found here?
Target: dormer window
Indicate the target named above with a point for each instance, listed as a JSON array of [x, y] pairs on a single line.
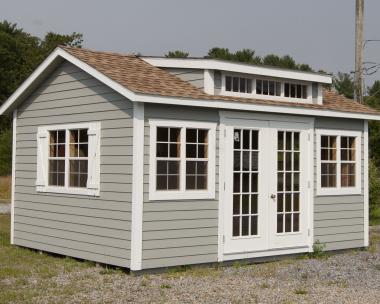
[[294, 90], [268, 87], [238, 84]]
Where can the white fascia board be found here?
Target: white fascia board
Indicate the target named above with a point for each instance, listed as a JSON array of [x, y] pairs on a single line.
[[212, 64], [60, 53], [248, 106]]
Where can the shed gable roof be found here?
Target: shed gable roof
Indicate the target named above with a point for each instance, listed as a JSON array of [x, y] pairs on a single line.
[[142, 77], [142, 82]]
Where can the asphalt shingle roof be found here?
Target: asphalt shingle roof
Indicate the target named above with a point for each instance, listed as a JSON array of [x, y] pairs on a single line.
[[141, 77]]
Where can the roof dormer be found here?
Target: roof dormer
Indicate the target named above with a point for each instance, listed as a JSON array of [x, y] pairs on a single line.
[[225, 78]]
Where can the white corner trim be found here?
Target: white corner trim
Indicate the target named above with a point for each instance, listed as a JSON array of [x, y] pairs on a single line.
[[13, 174], [338, 190], [238, 67], [311, 184], [366, 188], [222, 130], [209, 86], [182, 194], [137, 186]]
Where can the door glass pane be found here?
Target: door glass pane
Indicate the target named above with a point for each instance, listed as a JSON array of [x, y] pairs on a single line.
[[288, 181], [245, 188]]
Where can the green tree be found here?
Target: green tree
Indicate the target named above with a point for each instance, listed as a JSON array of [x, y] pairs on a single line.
[[374, 188], [20, 54], [220, 53], [177, 54], [247, 56], [344, 84], [6, 152]]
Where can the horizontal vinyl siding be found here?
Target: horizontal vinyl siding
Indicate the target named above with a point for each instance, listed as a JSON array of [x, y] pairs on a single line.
[[339, 220], [93, 228], [178, 232], [193, 76]]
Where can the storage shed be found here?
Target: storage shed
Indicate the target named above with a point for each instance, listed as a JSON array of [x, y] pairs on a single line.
[[148, 162]]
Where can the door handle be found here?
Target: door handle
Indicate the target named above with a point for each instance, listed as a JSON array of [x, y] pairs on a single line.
[[273, 196]]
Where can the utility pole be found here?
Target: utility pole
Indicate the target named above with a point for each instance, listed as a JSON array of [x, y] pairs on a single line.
[[359, 51]]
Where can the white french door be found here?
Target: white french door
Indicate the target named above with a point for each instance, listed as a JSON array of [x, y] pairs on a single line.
[[265, 198]]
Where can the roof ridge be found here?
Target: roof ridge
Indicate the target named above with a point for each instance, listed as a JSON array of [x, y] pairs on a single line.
[[66, 47]]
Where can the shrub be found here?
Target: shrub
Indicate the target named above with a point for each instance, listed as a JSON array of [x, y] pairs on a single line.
[[6, 152], [374, 189]]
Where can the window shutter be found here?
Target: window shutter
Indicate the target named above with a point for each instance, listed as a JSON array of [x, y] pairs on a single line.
[[42, 150], [93, 180]]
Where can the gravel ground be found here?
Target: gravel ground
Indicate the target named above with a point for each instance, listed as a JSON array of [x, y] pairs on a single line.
[[350, 277], [5, 208]]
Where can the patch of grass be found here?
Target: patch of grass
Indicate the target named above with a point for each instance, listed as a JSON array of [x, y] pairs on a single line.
[[110, 270], [194, 271], [377, 267], [301, 292], [338, 283], [26, 275], [5, 189], [374, 217], [374, 242], [165, 286]]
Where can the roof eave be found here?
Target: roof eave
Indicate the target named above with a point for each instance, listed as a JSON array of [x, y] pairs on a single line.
[[253, 107], [213, 64]]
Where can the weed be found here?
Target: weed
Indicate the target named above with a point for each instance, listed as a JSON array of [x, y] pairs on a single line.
[[318, 251], [377, 267], [301, 292], [165, 286], [265, 285]]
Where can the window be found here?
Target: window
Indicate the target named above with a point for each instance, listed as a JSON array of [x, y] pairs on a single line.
[[196, 158], [293, 90], [268, 87], [339, 162], [68, 159], [182, 158], [238, 84], [168, 158]]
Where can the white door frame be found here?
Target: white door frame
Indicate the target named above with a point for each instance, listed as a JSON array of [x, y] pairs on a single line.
[[225, 118]]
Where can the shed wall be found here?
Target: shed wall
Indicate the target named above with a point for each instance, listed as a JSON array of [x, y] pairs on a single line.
[[193, 76], [93, 228], [339, 219], [182, 231]]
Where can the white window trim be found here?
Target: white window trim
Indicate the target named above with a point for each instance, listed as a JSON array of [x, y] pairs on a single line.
[[182, 194], [93, 183], [338, 190]]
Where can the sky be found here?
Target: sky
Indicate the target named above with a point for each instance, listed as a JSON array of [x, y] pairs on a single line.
[[318, 32]]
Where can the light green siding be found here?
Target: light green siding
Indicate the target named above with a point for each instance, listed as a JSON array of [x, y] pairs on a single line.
[[179, 232], [93, 228], [193, 76], [339, 220]]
